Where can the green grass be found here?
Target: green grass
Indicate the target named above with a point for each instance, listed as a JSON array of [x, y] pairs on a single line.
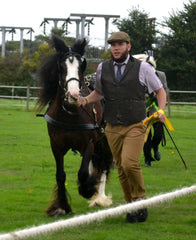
[[27, 176]]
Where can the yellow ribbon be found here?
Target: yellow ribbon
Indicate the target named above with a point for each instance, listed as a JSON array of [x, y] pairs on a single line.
[[154, 118], [167, 122]]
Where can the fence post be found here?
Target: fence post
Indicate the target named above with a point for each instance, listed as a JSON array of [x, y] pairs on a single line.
[[28, 97], [12, 92], [168, 103]]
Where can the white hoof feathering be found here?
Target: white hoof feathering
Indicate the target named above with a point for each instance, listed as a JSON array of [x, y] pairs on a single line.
[[59, 212], [100, 199], [103, 201]]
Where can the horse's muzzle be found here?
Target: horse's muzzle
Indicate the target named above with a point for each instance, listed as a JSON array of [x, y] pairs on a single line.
[[71, 99]]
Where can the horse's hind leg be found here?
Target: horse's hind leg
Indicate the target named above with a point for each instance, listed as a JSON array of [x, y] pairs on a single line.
[[60, 205]]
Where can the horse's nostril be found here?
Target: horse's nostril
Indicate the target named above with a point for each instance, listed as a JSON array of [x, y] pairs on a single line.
[[73, 98]]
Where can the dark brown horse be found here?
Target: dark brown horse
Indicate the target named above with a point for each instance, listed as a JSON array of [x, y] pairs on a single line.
[[71, 127]]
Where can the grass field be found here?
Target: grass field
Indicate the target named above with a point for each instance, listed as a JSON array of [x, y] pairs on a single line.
[[27, 176]]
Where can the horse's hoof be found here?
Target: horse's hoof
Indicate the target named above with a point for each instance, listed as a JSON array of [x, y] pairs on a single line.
[[59, 212], [102, 201]]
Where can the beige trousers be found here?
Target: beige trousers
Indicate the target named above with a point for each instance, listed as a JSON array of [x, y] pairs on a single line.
[[126, 143]]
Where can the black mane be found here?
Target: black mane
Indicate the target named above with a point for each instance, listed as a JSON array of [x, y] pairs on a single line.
[[48, 74]]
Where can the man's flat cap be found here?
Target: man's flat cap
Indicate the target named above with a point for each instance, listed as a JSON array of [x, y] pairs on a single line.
[[119, 37]]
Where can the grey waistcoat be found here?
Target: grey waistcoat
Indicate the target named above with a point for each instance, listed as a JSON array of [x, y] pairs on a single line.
[[124, 100]]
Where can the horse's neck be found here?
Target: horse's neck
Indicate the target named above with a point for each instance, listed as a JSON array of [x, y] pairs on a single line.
[[56, 102]]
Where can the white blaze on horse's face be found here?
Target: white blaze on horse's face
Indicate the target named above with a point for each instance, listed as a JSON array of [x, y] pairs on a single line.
[[73, 88]]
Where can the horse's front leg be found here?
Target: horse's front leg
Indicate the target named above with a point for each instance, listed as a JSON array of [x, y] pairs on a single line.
[[60, 205], [99, 198], [92, 178], [86, 180], [102, 161]]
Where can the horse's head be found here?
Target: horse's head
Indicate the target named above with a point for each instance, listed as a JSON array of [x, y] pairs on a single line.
[[71, 66], [146, 58]]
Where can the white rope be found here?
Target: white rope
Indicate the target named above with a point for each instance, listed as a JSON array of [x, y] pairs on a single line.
[[97, 216]]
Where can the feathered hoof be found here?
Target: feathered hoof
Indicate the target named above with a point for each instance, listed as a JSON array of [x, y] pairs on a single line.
[[57, 212], [102, 201]]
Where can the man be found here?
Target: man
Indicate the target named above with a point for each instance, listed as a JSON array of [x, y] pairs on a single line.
[[154, 139], [121, 81]]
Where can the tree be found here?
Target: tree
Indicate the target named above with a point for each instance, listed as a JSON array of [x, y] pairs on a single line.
[[9, 68], [20, 69], [140, 28], [61, 32], [178, 52]]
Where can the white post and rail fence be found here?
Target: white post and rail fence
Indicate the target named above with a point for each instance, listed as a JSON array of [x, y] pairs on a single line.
[[27, 95]]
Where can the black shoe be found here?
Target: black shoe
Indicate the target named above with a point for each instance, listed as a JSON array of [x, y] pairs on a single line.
[[157, 154], [148, 161], [138, 216], [148, 164]]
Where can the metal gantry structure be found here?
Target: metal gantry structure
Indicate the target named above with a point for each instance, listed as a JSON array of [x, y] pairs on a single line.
[[65, 21], [83, 17], [79, 18], [12, 30]]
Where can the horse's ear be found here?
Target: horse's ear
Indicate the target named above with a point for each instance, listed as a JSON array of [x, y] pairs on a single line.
[[58, 44], [79, 46], [84, 64]]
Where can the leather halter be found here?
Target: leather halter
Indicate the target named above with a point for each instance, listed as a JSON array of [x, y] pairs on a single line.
[[69, 55]]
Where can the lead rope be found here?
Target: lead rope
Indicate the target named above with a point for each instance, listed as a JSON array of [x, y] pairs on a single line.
[[94, 110]]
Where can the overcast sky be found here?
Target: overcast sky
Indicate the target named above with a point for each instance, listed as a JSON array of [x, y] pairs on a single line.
[[23, 13]]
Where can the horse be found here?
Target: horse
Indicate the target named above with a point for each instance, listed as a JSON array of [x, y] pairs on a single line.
[[80, 129]]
